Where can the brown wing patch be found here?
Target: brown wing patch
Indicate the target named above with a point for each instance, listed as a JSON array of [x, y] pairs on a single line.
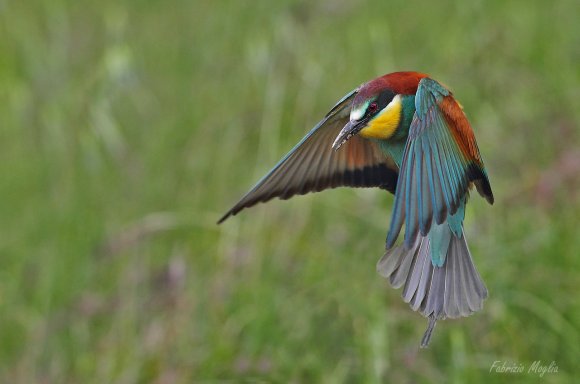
[[460, 128], [465, 138]]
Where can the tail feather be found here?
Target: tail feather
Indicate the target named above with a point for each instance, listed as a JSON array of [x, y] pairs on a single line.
[[397, 267], [419, 277], [453, 290]]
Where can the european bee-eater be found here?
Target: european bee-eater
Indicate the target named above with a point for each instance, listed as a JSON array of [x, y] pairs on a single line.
[[403, 132]]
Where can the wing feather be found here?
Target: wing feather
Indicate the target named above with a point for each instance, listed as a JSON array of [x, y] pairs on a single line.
[[440, 161], [312, 165]]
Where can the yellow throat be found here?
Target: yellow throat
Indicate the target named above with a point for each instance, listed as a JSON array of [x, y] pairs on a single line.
[[383, 126]]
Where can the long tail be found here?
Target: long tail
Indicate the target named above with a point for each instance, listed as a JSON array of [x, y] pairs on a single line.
[[452, 290]]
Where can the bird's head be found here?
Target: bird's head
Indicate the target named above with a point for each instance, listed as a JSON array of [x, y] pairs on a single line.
[[378, 109]]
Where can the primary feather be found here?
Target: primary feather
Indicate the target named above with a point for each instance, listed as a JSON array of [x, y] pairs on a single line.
[[313, 166], [440, 160]]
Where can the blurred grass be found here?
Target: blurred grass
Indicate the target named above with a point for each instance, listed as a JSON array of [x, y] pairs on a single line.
[[128, 128]]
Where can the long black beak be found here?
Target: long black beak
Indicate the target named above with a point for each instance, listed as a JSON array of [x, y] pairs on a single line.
[[350, 129]]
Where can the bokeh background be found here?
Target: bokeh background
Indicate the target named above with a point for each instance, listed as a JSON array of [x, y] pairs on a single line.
[[128, 127]]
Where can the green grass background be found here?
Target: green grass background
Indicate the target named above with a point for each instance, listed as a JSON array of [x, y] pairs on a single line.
[[128, 127]]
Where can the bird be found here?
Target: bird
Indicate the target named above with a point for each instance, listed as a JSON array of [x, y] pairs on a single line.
[[405, 133]]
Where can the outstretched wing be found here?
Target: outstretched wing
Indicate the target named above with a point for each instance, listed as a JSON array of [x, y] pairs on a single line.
[[440, 161], [313, 165]]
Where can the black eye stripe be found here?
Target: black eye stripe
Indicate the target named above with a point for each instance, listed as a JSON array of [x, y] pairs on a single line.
[[385, 98], [381, 102]]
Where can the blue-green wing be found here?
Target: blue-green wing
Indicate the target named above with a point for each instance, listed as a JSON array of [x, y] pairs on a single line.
[[312, 165], [440, 160]]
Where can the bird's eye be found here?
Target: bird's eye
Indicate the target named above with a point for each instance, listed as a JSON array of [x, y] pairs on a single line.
[[373, 107]]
